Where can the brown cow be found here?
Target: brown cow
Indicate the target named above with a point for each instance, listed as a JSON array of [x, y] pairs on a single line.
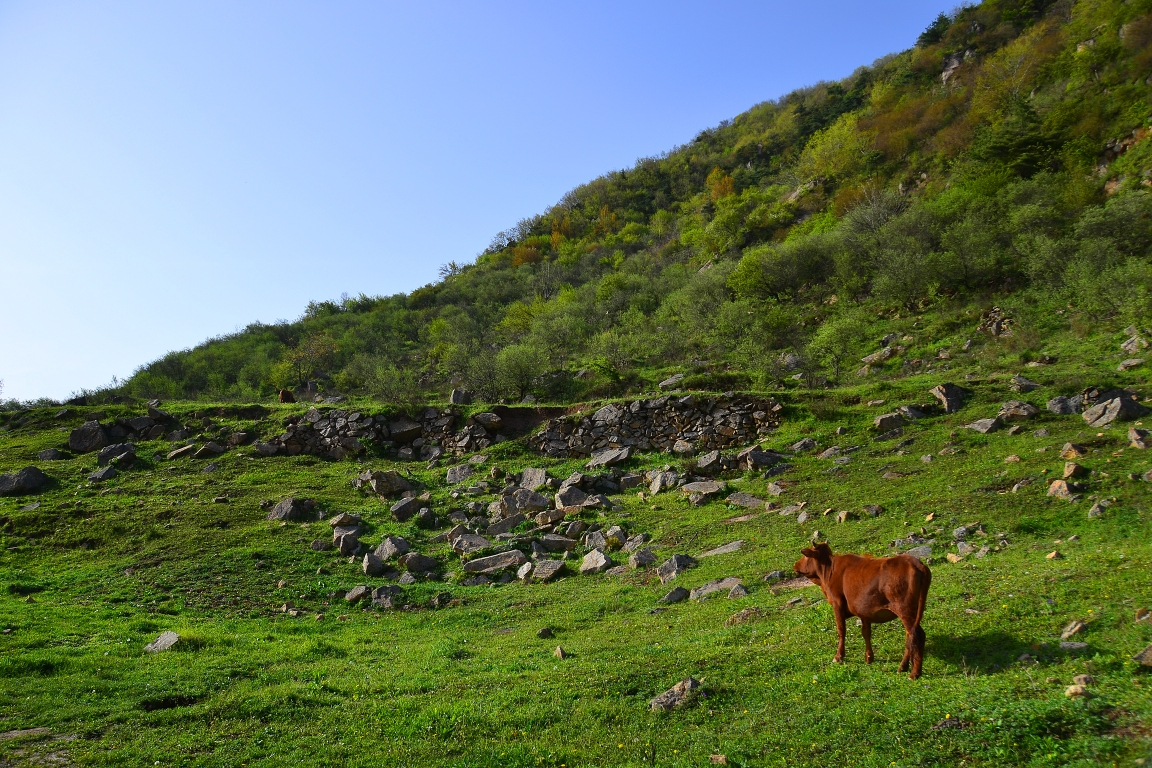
[[286, 396], [875, 589]]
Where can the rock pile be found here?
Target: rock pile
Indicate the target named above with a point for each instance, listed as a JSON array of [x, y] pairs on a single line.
[[92, 435], [338, 433], [686, 424]]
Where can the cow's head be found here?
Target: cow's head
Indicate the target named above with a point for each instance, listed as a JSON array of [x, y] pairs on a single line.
[[814, 560]]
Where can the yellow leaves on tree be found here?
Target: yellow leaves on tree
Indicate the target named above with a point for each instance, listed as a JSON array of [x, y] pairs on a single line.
[[527, 253], [561, 228], [606, 222], [1009, 75], [835, 152], [720, 184]]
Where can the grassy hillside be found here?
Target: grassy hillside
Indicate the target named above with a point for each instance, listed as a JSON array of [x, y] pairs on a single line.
[[1004, 154], [92, 572]]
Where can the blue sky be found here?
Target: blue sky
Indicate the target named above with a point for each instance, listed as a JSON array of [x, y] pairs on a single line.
[[175, 171]]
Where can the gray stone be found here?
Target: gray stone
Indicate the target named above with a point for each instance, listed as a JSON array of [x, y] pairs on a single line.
[[737, 591], [641, 559], [392, 547], [1129, 364], [404, 430], [87, 438], [1123, 407], [1017, 410], [662, 481], [676, 696], [547, 570], [124, 452], [208, 451], [635, 542], [426, 519], [951, 397], [673, 567], [984, 426], [746, 500], [320, 545], [553, 542], [705, 488], [505, 525], [468, 543], [596, 561], [418, 563], [163, 643], [1072, 645], [677, 595], [403, 510], [533, 479], [383, 483], [717, 585], [293, 510], [615, 536], [343, 519], [459, 473], [671, 381], [525, 501], [754, 458], [888, 421], [1064, 406], [1020, 384], [596, 540], [921, 553], [1144, 658], [609, 456], [803, 446], [25, 480], [490, 421], [50, 454], [727, 549], [570, 496], [709, 463], [100, 475], [387, 597], [358, 593], [372, 565], [550, 516], [513, 558]]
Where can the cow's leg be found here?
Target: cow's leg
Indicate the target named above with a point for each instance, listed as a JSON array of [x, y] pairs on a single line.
[[917, 652], [839, 611], [866, 630], [909, 639]]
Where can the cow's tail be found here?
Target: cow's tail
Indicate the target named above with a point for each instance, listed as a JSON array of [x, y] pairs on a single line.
[[924, 580]]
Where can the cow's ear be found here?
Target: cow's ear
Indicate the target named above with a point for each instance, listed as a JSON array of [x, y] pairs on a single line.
[[809, 553], [824, 549]]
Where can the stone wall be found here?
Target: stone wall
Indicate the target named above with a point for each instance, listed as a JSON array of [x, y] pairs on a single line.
[[683, 424]]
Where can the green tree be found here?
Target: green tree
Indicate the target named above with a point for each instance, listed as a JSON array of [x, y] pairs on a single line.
[[518, 367], [836, 342]]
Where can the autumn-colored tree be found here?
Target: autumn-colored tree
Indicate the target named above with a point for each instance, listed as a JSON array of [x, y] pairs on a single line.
[[606, 222], [720, 184], [561, 228]]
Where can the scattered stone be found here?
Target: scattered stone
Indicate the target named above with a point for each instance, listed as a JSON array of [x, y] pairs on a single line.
[[951, 397], [293, 510], [404, 509], [414, 562], [1072, 628], [208, 450], [609, 457], [717, 585], [596, 561], [1073, 451], [1144, 658], [50, 454], [547, 570], [163, 643], [803, 446], [984, 426], [1059, 489], [673, 567], [1072, 470], [459, 473], [25, 480], [922, 552], [1071, 645], [100, 475], [1113, 405], [1020, 384], [1139, 438], [1064, 406], [671, 381], [637, 541], [372, 565], [745, 500], [1055, 555], [1075, 691], [724, 550], [737, 591], [87, 438], [560, 653], [887, 422], [678, 695], [1016, 410], [513, 558], [1129, 364], [641, 559]]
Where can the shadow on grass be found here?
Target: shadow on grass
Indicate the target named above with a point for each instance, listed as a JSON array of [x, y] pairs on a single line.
[[988, 652]]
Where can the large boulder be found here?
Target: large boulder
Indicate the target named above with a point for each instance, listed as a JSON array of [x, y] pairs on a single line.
[[122, 453], [88, 437], [404, 509], [513, 558], [490, 421], [24, 481], [888, 421], [384, 483], [293, 510], [459, 473], [533, 478], [1017, 410]]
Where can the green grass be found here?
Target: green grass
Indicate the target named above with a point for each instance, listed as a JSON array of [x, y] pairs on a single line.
[[107, 569]]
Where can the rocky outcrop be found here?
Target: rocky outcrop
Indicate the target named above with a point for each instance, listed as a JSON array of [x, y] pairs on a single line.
[[705, 423]]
